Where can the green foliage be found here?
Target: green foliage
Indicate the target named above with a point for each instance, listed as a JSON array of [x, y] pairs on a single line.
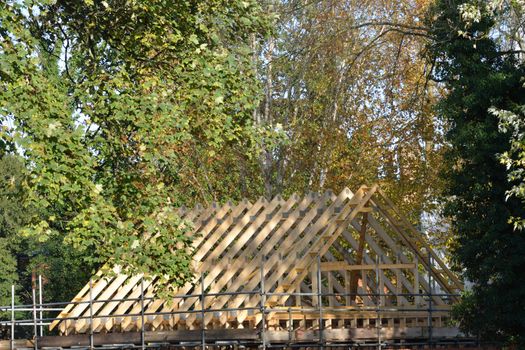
[[8, 273], [488, 249], [12, 180], [64, 270], [107, 97], [513, 123], [12, 216]]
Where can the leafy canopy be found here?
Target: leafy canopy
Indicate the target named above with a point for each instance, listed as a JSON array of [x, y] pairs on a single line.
[[480, 77], [104, 97]]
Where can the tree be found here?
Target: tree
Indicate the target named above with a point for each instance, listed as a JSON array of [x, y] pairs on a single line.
[[347, 85], [108, 98], [511, 28], [512, 122], [21, 257], [8, 278], [480, 75], [12, 217]]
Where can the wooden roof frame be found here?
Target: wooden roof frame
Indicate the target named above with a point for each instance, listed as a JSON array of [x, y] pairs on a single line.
[[353, 235]]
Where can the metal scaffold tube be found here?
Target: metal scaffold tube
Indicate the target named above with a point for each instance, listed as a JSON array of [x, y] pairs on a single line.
[[203, 311], [262, 306], [91, 345], [320, 301], [142, 325], [40, 302], [430, 330], [11, 343], [35, 325], [378, 302]]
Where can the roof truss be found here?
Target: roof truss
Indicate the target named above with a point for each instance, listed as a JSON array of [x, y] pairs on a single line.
[[363, 249]]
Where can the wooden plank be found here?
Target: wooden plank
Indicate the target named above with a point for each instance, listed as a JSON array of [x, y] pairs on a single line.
[[375, 247], [368, 260], [399, 285], [83, 324], [348, 290], [97, 288], [417, 298], [17, 344], [243, 336], [344, 266], [381, 288], [359, 259], [275, 258], [125, 305], [331, 298], [334, 286], [79, 297], [75, 309], [209, 255], [211, 335], [199, 216], [226, 265], [228, 220], [358, 334], [346, 276]]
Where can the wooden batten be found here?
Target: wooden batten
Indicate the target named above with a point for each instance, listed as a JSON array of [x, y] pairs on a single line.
[[344, 266]]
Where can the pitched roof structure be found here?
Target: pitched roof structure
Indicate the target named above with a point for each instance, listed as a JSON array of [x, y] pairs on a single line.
[[350, 253]]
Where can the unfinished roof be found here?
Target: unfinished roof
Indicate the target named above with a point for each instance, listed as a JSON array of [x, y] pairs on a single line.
[[364, 251]]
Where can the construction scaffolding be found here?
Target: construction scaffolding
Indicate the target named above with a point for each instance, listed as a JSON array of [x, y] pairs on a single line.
[[322, 270], [321, 326]]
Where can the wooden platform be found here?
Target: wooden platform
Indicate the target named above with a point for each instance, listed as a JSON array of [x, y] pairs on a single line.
[[284, 264]]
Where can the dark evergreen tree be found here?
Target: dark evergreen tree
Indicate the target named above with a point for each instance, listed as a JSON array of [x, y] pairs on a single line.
[[490, 252]]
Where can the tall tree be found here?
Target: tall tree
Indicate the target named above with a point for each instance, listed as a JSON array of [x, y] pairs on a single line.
[[513, 123], [111, 103], [480, 75], [347, 84]]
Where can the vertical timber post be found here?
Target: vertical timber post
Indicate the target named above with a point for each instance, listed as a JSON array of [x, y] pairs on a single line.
[[91, 345], [416, 282], [142, 325], [290, 325], [354, 284], [320, 302], [399, 285], [12, 343], [263, 302], [203, 326]]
